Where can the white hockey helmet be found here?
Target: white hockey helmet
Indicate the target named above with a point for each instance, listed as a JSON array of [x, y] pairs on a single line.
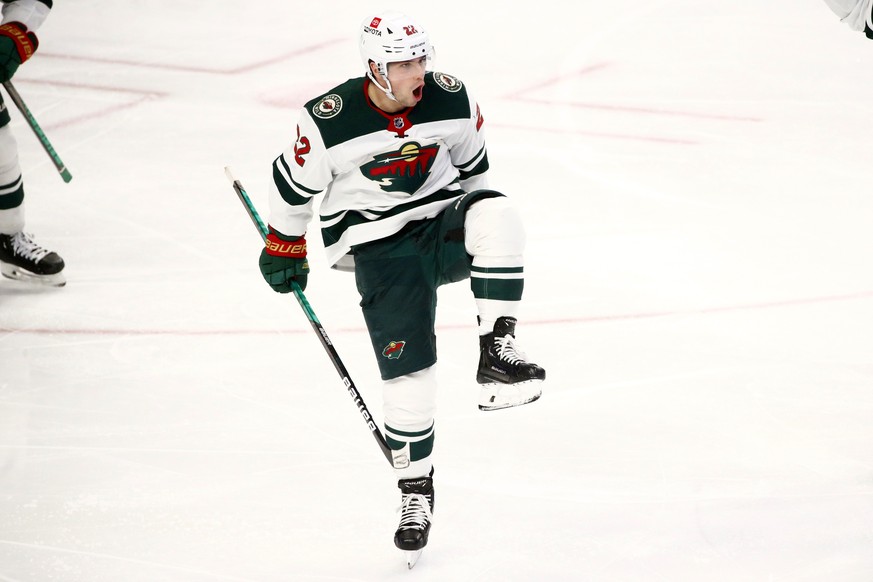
[[392, 37]]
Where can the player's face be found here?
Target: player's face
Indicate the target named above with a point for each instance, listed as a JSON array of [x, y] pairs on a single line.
[[407, 80]]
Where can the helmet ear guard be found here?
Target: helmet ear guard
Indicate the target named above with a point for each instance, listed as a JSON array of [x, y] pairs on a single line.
[[391, 37]]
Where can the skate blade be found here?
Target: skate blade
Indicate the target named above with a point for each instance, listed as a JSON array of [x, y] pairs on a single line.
[[412, 557], [18, 274], [517, 394]]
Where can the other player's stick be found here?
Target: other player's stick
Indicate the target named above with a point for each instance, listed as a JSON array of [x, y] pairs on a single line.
[[316, 325], [46, 144]]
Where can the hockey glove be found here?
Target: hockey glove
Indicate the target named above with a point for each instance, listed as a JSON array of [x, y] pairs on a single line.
[[283, 260], [17, 44]]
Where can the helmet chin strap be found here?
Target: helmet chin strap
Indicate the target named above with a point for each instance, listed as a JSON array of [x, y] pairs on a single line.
[[389, 92]]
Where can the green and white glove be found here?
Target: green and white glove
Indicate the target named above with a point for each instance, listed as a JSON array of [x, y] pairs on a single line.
[[283, 259]]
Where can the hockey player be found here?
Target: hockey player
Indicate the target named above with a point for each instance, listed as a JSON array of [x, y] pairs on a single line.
[[398, 160], [20, 256], [858, 14]]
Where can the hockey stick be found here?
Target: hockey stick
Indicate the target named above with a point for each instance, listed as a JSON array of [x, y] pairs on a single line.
[[46, 144], [316, 325]]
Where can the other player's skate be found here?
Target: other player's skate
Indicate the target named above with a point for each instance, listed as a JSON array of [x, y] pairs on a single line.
[[23, 259], [507, 378], [416, 514]]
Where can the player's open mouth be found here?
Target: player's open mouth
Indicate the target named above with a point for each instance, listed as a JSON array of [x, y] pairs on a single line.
[[417, 92]]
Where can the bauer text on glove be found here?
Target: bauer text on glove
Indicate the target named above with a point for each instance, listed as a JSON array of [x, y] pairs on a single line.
[[283, 259], [17, 44]]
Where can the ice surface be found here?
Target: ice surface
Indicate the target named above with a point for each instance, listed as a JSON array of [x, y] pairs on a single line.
[[696, 183]]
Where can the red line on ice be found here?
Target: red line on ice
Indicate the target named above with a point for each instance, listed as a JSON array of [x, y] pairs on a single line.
[[194, 69], [559, 321]]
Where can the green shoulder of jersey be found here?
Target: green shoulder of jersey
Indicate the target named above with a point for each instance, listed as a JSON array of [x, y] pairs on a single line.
[[344, 112]]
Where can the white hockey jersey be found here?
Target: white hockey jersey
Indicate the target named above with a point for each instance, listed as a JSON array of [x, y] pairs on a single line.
[[855, 13], [377, 171]]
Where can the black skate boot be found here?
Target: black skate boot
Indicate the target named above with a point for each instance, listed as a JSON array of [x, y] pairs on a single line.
[[507, 378], [416, 514], [23, 259]]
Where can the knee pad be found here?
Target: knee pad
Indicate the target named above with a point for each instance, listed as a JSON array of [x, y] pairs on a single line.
[[409, 402], [494, 229]]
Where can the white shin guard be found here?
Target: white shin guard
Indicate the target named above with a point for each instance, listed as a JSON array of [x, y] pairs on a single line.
[[409, 406]]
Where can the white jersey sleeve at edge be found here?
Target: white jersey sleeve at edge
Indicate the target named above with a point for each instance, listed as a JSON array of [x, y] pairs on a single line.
[[479, 182], [469, 150], [855, 13], [287, 219], [303, 171], [28, 12]]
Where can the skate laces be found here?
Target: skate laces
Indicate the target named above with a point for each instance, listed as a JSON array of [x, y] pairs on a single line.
[[508, 351], [415, 511], [24, 246]]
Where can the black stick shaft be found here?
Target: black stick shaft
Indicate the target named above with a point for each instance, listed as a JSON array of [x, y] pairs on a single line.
[[317, 327], [37, 130]]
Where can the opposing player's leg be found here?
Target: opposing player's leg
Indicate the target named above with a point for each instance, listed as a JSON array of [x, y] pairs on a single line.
[[20, 256], [495, 238]]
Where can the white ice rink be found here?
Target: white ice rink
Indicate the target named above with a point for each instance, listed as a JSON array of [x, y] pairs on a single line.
[[697, 183]]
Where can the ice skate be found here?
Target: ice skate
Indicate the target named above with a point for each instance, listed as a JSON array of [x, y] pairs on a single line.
[[416, 514], [23, 259], [507, 378]]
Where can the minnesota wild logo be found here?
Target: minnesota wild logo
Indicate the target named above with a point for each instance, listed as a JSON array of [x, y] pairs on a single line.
[[393, 350], [403, 170], [329, 106], [447, 82]]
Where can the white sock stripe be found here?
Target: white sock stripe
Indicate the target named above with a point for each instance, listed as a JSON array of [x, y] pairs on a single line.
[[477, 275], [409, 437]]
